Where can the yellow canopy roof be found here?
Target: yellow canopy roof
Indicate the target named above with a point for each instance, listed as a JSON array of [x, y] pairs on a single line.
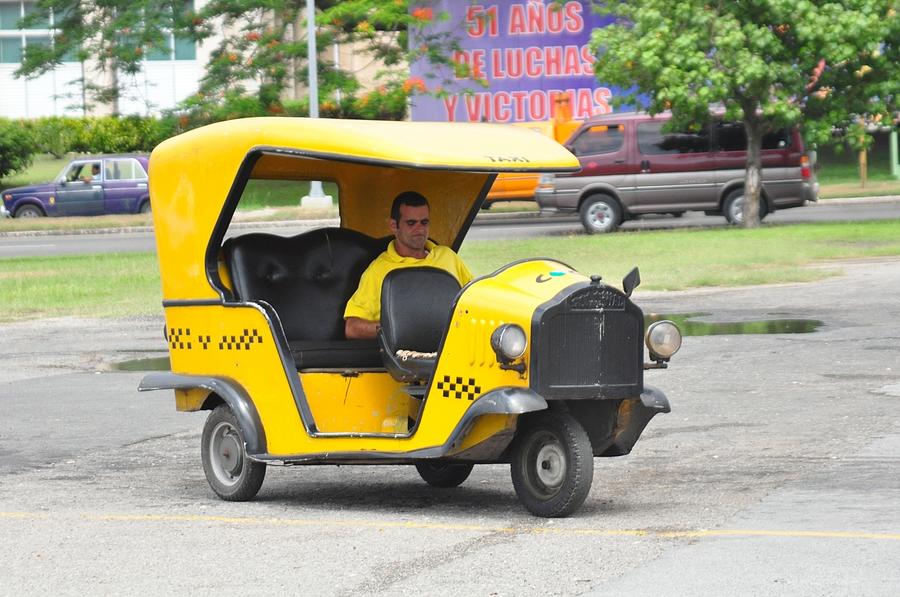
[[196, 177]]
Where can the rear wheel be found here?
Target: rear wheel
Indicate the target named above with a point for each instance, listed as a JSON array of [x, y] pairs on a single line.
[[599, 214], [552, 465], [733, 207], [232, 475], [443, 474], [145, 207], [29, 211]]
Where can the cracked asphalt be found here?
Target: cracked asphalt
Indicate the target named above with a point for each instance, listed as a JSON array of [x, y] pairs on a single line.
[[775, 474]]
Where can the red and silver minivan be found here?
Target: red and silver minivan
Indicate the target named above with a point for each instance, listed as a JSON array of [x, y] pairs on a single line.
[[631, 167]]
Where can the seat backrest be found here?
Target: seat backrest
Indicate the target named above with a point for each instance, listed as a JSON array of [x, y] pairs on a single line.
[[415, 307], [307, 278]]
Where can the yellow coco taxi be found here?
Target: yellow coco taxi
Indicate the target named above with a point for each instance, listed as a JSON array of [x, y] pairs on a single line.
[[534, 364]]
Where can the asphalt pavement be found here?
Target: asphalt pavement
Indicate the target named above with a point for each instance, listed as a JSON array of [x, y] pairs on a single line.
[[774, 474]]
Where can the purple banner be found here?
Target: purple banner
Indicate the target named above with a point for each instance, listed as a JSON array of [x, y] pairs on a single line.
[[521, 55]]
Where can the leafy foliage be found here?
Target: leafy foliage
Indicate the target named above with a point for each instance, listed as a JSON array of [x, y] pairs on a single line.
[[59, 136], [16, 147], [769, 63]]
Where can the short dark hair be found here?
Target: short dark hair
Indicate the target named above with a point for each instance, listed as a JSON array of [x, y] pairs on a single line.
[[410, 198]]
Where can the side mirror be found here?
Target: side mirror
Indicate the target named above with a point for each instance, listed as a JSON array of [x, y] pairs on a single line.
[[631, 281]]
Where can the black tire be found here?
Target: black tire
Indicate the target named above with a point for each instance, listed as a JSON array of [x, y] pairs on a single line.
[[732, 207], [487, 205], [29, 211], [145, 207], [600, 214], [552, 465], [444, 474], [233, 476]]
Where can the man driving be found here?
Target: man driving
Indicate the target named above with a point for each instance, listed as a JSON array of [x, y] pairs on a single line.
[[410, 248]]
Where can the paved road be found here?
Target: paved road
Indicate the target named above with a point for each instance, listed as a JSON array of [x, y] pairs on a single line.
[[17, 246], [775, 474]]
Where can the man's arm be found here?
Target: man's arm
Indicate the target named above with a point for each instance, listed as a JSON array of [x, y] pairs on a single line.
[[356, 328]]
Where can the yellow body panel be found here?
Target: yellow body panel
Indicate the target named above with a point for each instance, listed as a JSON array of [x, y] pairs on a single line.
[[365, 402]]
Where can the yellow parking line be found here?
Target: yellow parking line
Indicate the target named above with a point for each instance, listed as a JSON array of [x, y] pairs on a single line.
[[28, 515], [522, 530]]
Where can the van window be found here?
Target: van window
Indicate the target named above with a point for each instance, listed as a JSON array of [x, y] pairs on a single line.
[[732, 137], [652, 141], [599, 139]]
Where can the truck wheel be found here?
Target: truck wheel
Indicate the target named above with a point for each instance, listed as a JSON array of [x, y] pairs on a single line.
[[29, 211], [443, 474], [733, 207], [600, 213], [552, 465], [233, 476]]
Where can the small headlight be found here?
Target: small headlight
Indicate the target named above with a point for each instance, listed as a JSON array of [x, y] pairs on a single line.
[[663, 339], [509, 341]]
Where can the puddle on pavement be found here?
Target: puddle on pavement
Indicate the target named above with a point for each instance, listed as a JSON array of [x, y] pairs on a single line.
[[689, 327], [154, 364]]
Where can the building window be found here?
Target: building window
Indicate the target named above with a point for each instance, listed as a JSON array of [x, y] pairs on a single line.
[[11, 50]]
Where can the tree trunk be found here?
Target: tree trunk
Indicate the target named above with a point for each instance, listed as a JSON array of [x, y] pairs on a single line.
[[753, 175]]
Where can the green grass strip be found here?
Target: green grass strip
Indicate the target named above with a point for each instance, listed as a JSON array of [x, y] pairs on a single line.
[[120, 284]]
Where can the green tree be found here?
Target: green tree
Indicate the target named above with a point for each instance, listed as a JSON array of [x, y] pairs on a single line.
[[770, 64]]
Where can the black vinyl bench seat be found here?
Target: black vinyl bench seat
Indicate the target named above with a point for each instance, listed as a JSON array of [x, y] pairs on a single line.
[[307, 279]]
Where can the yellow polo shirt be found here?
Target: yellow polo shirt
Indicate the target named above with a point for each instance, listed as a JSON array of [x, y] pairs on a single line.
[[366, 301]]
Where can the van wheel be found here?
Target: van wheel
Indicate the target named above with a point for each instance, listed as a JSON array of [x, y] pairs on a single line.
[[29, 211], [233, 476], [552, 465], [443, 474], [600, 213], [733, 207]]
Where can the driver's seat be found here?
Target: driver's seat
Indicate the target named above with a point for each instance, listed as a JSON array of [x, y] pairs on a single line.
[[416, 303]]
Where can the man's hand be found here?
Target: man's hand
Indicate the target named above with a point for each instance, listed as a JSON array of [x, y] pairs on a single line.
[[356, 328]]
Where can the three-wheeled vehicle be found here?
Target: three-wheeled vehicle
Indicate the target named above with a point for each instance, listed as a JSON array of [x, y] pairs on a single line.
[[534, 364]]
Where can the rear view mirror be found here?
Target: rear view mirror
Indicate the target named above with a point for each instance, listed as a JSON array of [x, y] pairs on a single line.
[[631, 281]]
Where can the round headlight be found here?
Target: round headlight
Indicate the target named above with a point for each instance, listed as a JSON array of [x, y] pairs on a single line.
[[663, 339], [509, 341]]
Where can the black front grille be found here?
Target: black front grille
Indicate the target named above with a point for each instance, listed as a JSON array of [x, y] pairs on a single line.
[[588, 343]]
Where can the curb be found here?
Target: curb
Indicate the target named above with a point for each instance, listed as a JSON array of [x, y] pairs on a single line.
[[483, 218]]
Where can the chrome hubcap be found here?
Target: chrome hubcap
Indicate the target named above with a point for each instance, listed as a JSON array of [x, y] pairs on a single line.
[[737, 210], [551, 465], [600, 216], [226, 453]]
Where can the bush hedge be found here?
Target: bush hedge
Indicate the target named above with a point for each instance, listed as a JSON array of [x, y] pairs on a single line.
[[17, 147]]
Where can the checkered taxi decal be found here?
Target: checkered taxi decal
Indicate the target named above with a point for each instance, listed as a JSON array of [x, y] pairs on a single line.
[[181, 338], [458, 388]]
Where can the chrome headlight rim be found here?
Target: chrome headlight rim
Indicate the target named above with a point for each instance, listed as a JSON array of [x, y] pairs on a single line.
[[663, 339], [509, 342]]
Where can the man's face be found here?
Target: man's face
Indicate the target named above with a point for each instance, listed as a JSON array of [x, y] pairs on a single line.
[[411, 231]]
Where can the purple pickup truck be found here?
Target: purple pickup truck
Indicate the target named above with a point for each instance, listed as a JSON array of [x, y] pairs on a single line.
[[107, 184]]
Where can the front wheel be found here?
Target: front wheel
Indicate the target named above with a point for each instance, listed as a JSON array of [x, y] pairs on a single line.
[[552, 465], [233, 476], [599, 214], [443, 474], [29, 211], [145, 207]]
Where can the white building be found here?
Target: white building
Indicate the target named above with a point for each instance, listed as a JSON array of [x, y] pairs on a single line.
[[167, 78]]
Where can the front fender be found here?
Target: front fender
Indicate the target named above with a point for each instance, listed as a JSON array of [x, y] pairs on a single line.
[[632, 417], [232, 393]]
